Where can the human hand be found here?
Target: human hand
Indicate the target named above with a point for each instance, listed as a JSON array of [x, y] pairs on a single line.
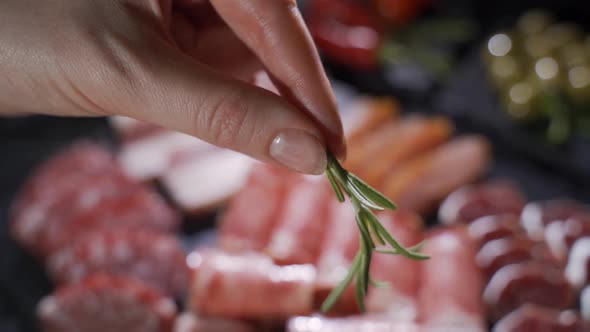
[[181, 64]]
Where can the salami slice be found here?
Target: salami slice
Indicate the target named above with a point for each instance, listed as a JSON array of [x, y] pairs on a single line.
[[530, 317], [249, 286], [400, 273], [528, 282], [189, 322], [488, 228], [585, 303], [578, 264], [155, 258], [449, 298], [537, 215], [247, 223], [365, 323], [560, 236], [106, 303], [137, 209], [469, 203], [300, 227]]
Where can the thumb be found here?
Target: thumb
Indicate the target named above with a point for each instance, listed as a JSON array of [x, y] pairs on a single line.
[[174, 91]]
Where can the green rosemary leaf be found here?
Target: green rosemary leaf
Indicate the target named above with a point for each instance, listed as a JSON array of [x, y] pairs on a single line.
[[360, 296], [362, 198], [366, 238], [371, 194], [398, 247], [335, 186], [417, 247], [339, 290], [378, 284], [365, 268], [367, 214]]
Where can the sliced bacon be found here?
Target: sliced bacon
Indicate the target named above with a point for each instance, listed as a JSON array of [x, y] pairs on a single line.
[[537, 215], [365, 323], [578, 264], [297, 236], [106, 303], [451, 283], [203, 183], [189, 322], [485, 229], [368, 113], [249, 286], [530, 317], [527, 282], [424, 181], [252, 213], [407, 139], [400, 273], [155, 258], [469, 203]]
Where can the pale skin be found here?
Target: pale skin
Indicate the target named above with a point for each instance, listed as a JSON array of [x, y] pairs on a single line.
[[182, 64]]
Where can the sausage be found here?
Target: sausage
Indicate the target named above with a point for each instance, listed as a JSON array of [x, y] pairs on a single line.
[[247, 223], [249, 286], [485, 229], [297, 235], [577, 268], [399, 142], [189, 322], [400, 273], [469, 203], [449, 296], [106, 303], [561, 235], [530, 317], [501, 252], [527, 282], [155, 258], [366, 115], [424, 181], [537, 215], [365, 323]]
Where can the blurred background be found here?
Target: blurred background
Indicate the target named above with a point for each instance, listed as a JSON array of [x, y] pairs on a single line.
[[515, 72]]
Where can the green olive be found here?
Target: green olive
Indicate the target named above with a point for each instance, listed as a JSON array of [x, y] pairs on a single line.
[[519, 101], [572, 55], [562, 34], [504, 70], [498, 45], [577, 84], [534, 22], [546, 73]]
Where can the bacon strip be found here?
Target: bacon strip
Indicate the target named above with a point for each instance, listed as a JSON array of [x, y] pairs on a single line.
[[249, 286], [297, 237], [251, 214], [421, 183], [451, 283], [400, 273]]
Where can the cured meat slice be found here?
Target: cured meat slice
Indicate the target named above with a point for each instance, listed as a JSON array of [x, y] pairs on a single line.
[[411, 137], [155, 258], [449, 297], [561, 235], [188, 322], [469, 203], [249, 286], [527, 282], [400, 273], [106, 303], [578, 264], [134, 209], [150, 157], [365, 323], [297, 236], [530, 317], [585, 303], [488, 228], [537, 215], [338, 247], [203, 183], [366, 114], [253, 211], [501, 252], [422, 182]]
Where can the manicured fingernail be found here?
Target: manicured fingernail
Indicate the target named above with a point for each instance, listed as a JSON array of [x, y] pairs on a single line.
[[300, 151]]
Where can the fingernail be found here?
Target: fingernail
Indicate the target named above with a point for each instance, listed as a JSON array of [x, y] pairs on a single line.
[[300, 151]]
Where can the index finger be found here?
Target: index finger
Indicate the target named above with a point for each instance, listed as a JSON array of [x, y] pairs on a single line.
[[276, 33]]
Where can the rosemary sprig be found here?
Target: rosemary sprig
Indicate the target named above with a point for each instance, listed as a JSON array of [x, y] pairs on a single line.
[[364, 199]]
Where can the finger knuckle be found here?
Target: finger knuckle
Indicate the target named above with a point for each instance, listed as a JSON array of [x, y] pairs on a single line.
[[226, 120]]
